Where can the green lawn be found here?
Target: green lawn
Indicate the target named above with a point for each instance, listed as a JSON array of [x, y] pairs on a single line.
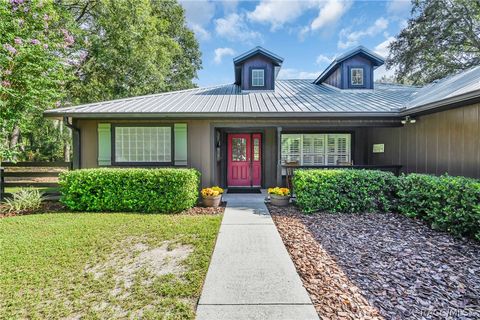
[[83, 265], [41, 189]]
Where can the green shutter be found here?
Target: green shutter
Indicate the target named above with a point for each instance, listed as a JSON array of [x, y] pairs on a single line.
[[180, 135], [104, 144]]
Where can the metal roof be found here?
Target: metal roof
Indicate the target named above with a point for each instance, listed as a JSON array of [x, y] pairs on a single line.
[[444, 90], [291, 98]]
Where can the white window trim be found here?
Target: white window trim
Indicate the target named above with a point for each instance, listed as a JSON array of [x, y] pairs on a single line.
[[351, 76], [263, 78]]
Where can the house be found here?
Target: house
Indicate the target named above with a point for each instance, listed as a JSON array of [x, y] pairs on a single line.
[[242, 134]]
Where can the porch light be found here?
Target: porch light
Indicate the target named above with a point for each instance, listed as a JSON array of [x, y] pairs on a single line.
[[408, 119]]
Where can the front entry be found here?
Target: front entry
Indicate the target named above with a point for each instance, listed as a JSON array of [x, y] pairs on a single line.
[[244, 165]]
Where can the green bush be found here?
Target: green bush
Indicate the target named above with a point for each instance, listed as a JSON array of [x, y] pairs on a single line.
[[347, 190], [140, 190], [447, 203]]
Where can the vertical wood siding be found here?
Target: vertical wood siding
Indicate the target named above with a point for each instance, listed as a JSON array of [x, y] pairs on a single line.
[[443, 142], [258, 62]]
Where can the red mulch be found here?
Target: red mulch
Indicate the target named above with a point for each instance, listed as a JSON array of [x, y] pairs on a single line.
[[381, 265]]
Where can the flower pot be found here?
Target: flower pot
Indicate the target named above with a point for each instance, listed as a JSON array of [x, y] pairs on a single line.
[[279, 201], [212, 201]]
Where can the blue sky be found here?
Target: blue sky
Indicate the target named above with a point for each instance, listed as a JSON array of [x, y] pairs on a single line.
[[307, 34]]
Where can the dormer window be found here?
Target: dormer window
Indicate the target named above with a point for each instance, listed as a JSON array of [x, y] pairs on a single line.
[[356, 76], [258, 78]]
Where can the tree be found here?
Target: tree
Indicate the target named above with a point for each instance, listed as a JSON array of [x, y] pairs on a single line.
[[442, 37], [131, 48], [34, 39]]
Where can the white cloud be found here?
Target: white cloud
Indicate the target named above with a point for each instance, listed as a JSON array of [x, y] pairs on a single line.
[[292, 73], [330, 13], [277, 13], [350, 39], [323, 59], [396, 7], [200, 31], [199, 14], [382, 48], [229, 6], [234, 28], [220, 53]]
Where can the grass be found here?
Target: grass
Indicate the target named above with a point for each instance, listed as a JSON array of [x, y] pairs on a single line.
[[44, 261], [41, 189]]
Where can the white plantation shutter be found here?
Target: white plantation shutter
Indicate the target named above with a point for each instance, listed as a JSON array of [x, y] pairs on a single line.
[[338, 148], [313, 149], [291, 147], [316, 149]]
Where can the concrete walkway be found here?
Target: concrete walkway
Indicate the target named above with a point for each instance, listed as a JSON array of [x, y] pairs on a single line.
[[251, 275]]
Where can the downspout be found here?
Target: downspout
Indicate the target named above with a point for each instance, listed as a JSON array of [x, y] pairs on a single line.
[[76, 163]]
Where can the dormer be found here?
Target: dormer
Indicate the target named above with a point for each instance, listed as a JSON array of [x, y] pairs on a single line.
[[257, 69], [352, 70]]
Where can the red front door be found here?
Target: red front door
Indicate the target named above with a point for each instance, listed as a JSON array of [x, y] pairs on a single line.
[[244, 160]]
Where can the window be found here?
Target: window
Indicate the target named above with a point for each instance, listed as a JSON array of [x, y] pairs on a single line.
[[356, 76], [143, 144], [258, 77], [316, 149]]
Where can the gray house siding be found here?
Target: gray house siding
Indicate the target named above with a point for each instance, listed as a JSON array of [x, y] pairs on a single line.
[[438, 143]]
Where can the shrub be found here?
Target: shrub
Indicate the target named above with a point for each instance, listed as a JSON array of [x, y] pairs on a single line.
[[24, 199], [141, 190], [347, 190], [447, 203]]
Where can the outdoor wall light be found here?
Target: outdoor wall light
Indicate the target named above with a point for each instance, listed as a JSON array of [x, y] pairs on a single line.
[[407, 119]]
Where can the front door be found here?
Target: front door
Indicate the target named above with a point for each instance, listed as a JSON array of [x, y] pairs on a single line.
[[244, 160]]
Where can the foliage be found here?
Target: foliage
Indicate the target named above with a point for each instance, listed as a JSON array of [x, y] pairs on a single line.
[[279, 191], [34, 41], [46, 258], [132, 48], [24, 199], [447, 203], [140, 190], [347, 191], [442, 37]]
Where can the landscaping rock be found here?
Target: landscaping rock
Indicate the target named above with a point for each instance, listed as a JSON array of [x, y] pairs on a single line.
[[373, 265]]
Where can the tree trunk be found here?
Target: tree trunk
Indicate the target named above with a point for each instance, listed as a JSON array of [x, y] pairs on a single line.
[[15, 137]]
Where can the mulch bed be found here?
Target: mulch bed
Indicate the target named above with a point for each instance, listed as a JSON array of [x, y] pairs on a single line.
[[381, 265]]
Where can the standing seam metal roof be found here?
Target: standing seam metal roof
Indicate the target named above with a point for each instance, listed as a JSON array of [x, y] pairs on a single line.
[[290, 96]]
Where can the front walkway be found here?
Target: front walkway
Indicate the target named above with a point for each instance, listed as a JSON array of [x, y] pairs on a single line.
[[251, 275]]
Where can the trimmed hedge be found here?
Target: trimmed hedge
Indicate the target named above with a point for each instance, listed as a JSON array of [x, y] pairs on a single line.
[[446, 203], [349, 191], [140, 190]]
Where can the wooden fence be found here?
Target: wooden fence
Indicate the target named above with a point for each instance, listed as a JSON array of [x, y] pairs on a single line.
[[26, 174]]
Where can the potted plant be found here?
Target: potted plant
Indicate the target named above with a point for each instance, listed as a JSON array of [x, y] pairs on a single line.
[[212, 197], [279, 196]]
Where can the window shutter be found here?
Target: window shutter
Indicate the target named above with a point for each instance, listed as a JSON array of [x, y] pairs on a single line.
[[104, 144], [291, 148], [181, 146]]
